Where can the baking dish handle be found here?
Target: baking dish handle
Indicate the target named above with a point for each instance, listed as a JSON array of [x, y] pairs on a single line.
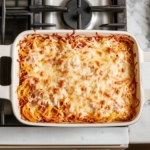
[[145, 79], [5, 50], [145, 74], [146, 94], [146, 56]]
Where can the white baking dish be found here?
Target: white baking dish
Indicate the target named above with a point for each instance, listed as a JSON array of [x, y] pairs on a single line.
[[9, 92]]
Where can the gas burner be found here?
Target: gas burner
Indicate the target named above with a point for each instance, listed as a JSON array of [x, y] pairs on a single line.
[[78, 10]]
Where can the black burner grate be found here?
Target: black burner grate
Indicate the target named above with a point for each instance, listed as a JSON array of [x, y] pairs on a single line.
[[30, 17], [118, 10]]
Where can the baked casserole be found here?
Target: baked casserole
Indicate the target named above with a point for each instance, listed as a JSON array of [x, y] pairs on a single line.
[[76, 78]]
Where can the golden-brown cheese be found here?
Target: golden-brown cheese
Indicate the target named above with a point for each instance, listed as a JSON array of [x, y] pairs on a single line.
[[76, 78]]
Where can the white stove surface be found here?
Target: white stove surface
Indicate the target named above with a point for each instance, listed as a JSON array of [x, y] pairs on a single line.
[[98, 18], [112, 136]]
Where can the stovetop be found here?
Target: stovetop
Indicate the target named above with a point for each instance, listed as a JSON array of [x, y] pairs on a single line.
[[20, 15]]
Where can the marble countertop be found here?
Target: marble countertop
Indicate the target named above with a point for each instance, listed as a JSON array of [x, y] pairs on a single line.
[[138, 18]]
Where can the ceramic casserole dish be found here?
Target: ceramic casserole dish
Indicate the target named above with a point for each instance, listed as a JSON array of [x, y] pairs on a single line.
[[9, 92]]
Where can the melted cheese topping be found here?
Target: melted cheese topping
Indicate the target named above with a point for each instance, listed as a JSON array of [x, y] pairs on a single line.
[[76, 78]]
